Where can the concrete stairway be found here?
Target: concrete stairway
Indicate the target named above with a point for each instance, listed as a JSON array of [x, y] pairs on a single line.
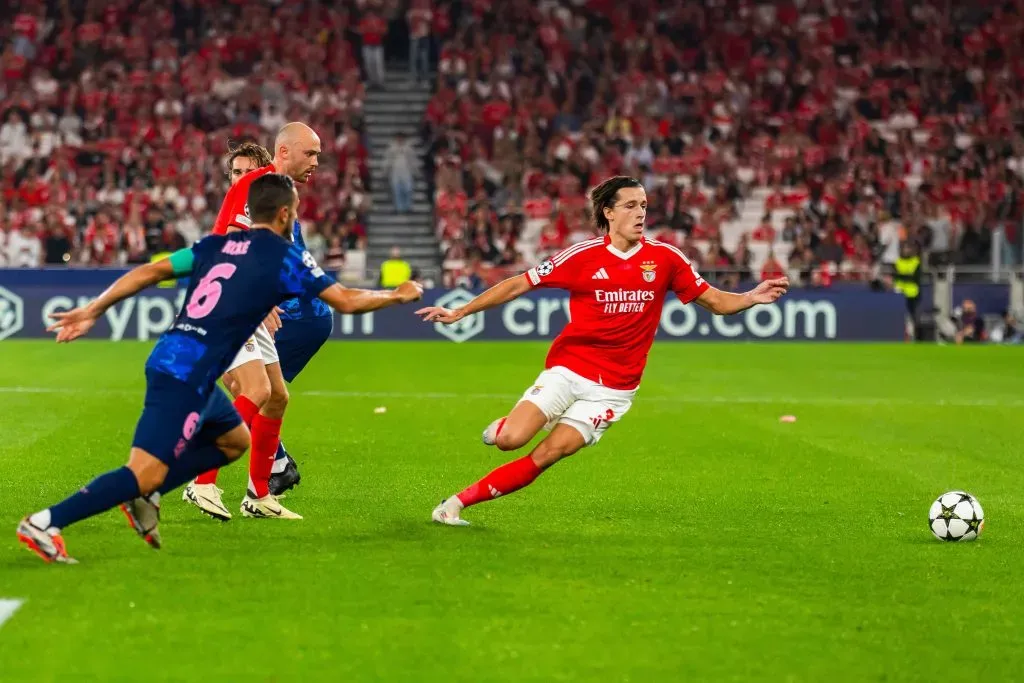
[[398, 108]]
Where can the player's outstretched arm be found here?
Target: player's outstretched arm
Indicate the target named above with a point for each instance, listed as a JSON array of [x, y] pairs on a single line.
[[501, 293], [345, 300], [71, 325], [727, 303]]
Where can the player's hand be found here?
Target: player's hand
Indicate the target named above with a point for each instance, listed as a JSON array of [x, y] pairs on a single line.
[[769, 291], [273, 321], [439, 314], [409, 291], [70, 325]]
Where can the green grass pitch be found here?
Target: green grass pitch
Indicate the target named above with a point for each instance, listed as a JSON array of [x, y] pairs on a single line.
[[701, 540]]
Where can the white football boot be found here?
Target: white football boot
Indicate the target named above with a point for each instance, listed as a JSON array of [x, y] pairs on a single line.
[[206, 497], [267, 507], [448, 512]]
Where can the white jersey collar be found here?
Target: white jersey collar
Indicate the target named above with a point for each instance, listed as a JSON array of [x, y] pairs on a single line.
[[624, 255]]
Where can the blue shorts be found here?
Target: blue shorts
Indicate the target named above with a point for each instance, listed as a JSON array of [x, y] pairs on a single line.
[[175, 417], [298, 341]]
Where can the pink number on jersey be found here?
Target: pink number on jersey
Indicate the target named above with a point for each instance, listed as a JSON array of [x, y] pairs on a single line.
[[188, 430], [207, 292]]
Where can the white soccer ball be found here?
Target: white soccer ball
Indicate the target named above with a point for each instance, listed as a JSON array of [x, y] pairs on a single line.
[[956, 516]]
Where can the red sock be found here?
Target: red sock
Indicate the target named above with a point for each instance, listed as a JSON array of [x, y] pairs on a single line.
[[247, 409], [266, 437], [502, 481]]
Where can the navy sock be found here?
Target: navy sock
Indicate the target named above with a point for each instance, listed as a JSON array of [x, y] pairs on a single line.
[[102, 493], [281, 452], [193, 462]]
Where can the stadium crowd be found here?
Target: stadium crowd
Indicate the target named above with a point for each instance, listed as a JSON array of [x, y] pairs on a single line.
[[852, 125], [115, 116]]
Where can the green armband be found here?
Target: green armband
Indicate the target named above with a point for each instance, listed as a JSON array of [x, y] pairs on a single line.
[[182, 261]]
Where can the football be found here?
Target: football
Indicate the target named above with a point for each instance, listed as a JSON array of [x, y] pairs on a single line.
[[956, 516]]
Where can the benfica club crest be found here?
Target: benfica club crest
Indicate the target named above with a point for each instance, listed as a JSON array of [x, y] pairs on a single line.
[[648, 268]]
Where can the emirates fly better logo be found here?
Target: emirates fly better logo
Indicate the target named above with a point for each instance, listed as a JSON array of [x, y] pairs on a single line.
[[12, 313], [465, 329]]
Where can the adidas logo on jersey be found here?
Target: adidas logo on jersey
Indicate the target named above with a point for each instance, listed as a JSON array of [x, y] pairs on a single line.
[[600, 275]]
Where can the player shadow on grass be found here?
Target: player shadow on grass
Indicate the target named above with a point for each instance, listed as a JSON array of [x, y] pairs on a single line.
[[426, 529], [408, 530]]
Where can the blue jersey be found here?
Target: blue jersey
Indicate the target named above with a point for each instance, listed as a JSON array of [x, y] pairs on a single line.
[[303, 306], [236, 280]]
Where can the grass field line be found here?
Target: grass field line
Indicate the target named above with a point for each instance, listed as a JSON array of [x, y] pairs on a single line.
[[852, 401], [8, 606], [692, 399]]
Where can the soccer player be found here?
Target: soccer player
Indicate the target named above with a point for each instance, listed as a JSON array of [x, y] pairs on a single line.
[[310, 324], [257, 381], [617, 287], [187, 424]]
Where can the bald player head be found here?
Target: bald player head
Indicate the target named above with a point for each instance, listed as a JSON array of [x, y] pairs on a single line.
[[296, 151]]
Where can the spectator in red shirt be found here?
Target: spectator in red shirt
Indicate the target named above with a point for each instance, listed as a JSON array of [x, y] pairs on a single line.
[[353, 234], [354, 156], [26, 34], [34, 191], [719, 265], [100, 243], [858, 265], [772, 268], [551, 240], [764, 232], [135, 239], [419, 18], [372, 28]]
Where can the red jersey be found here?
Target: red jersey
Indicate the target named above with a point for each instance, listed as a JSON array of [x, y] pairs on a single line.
[[538, 208], [615, 302], [234, 212], [27, 25], [373, 29]]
